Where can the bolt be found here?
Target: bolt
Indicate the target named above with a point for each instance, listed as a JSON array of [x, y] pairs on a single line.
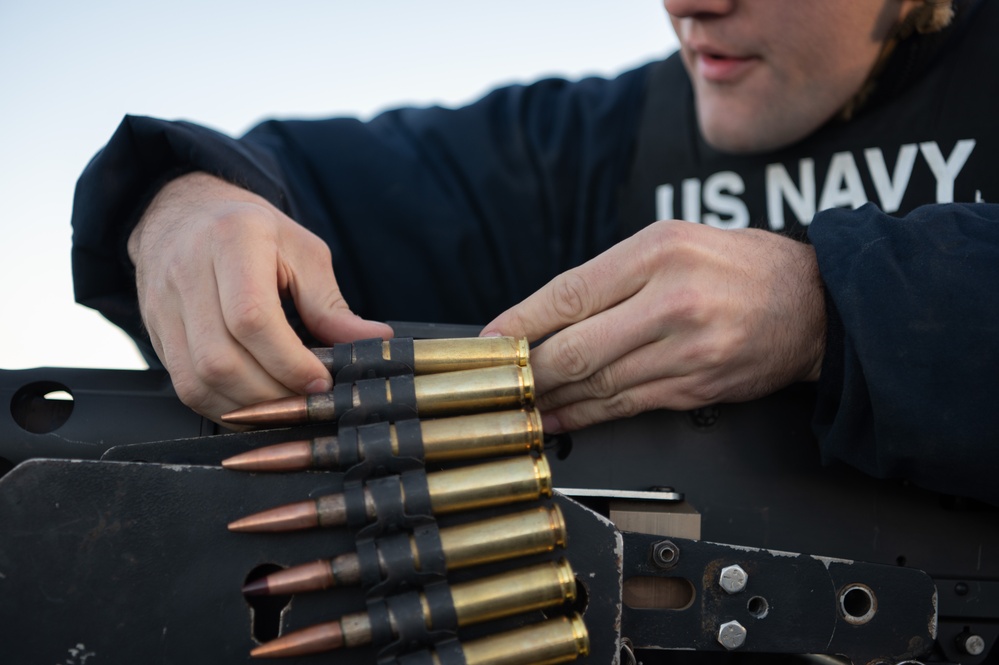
[[973, 645], [665, 554], [733, 579], [731, 635]]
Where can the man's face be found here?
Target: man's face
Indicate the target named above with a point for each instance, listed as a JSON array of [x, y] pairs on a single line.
[[767, 73]]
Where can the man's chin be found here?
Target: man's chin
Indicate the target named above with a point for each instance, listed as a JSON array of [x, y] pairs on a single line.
[[738, 135]]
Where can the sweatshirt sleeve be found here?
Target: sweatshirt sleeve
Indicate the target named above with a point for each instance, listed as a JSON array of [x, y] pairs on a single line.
[[909, 383], [432, 214]]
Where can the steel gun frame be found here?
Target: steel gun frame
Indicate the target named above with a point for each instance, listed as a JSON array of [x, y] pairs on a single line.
[[693, 535]]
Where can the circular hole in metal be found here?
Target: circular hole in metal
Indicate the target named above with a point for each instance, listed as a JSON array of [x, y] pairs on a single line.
[[858, 603], [758, 606], [265, 611], [42, 406]]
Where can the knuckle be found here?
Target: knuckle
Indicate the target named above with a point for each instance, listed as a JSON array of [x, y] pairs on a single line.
[[702, 392], [570, 296], [174, 275], [322, 254], [331, 307], [215, 369], [671, 245], [579, 415], [238, 219], [231, 224], [625, 405], [246, 317], [690, 306], [318, 248], [335, 302], [666, 236], [720, 350], [570, 358], [190, 390], [241, 224], [602, 384], [515, 322]]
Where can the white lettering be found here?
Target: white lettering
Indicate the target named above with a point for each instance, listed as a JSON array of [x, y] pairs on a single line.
[[691, 200], [891, 189], [781, 189], [664, 202], [718, 191], [717, 201], [843, 186], [945, 171]]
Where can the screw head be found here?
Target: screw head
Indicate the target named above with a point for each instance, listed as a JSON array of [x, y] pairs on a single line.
[[973, 645], [731, 635], [733, 579]]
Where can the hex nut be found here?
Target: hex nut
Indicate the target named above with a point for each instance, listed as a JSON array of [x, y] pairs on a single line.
[[665, 554], [731, 635], [733, 579]]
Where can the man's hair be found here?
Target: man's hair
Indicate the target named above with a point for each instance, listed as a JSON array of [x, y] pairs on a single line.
[[929, 17]]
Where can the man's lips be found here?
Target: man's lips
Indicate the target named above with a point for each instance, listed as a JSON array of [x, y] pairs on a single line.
[[720, 67]]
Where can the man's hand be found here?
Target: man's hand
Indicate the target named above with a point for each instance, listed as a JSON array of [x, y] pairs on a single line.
[[677, 316], [212, 264]]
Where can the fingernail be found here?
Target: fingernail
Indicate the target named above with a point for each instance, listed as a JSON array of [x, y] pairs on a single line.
[[490, 333], [550, 424], [319, 386]]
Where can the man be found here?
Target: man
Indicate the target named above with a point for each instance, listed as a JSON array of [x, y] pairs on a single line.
[[772, 111]]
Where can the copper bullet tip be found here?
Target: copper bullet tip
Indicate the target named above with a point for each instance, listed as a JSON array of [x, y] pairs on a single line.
[[282, 411], [291, 517], [314, 576], [314, 639], [256, 587], [292, 456]]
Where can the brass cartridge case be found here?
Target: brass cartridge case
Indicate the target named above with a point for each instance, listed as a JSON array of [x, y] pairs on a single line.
[[518, 591], [431, 356], [445, 394], [528, 532], [490, 484], [459, 437], [532, 531], [473, 390], [515, 592], [481, 435], [557, 640]]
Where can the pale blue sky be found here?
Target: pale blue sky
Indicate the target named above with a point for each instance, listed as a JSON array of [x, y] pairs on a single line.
[[70, 70]]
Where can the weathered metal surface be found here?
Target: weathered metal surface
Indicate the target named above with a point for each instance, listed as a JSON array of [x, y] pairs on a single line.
[[117, 562]]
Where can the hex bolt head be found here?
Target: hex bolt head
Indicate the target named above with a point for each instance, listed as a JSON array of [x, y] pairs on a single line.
[[973, 645], [733, 579], [731, 635]]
